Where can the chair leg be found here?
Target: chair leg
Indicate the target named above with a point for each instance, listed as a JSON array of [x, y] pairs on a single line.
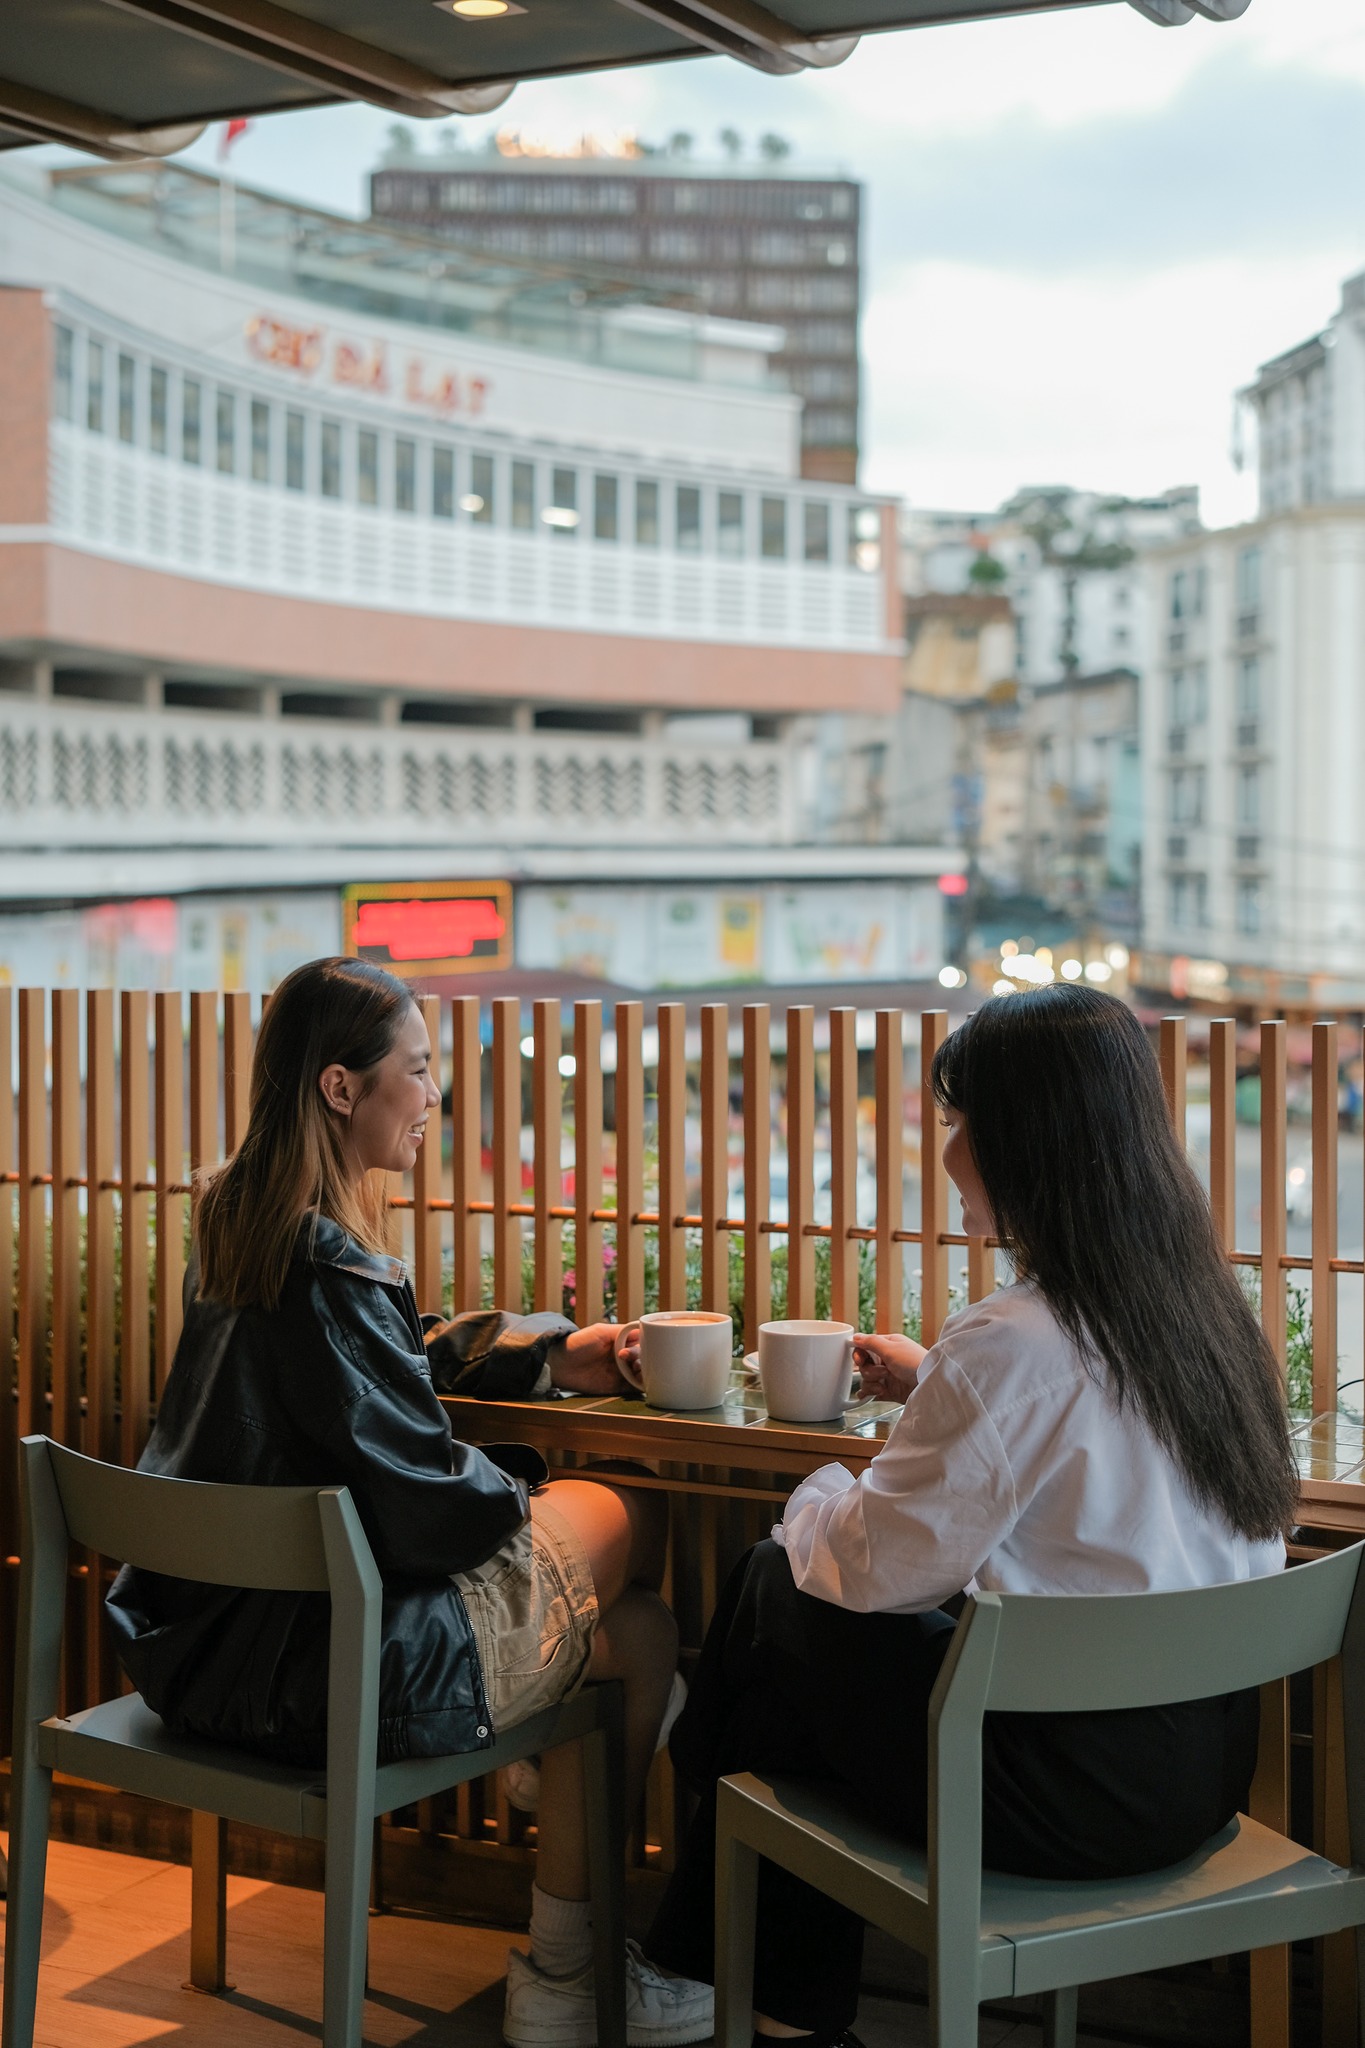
[[31, 1796], [736, 1919], [208, 1904], [1059, 2018], [603, 1782], [346, 1926]]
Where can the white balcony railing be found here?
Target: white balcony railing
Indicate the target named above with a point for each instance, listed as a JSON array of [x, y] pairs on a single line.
[[161, 514], [90, 775]]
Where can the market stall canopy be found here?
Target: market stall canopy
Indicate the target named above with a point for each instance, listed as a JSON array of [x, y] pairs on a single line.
[[134, 78]]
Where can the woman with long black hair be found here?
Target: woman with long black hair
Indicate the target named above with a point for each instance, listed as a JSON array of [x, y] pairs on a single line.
[[302, 1363], [1111, 1422]]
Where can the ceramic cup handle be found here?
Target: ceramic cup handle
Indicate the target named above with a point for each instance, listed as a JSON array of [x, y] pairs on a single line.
[[629, 1333]]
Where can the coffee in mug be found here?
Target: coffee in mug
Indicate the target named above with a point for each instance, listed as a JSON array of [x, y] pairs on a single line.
[[806, 1369], [686, 1358]]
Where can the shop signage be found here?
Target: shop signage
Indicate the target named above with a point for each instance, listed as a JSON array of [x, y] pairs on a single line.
[[420, 928], [313, 353]]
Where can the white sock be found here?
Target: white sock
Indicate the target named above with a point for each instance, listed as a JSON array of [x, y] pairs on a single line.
[[561, 1934]]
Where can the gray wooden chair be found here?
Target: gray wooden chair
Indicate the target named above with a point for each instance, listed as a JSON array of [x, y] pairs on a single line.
[[988, 1936], [296, 1539]]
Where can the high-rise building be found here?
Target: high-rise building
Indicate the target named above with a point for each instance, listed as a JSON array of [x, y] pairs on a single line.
[[765, 243], [1309, 409]]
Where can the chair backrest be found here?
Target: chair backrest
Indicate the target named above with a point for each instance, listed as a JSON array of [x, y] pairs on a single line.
[[269, 1537]]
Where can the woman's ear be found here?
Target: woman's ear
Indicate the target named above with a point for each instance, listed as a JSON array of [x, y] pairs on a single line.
[[335, 1083]]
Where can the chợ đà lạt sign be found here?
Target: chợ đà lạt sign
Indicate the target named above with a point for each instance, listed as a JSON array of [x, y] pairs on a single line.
[[370, 367], [415, 929]]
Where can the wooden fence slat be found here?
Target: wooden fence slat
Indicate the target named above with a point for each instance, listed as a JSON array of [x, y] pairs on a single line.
[[101, 1306], [843, 1147], [547, 1120], [672, 1155], [715, 1131], [65, 1412], [1324, 1228], [758, 1144], [890, 1096], [587, 1169], [33, 1316], [237, 1054], [1273, 1102], [630, 1161], [134, 1213], [426, 1182], [169, 1084], [206, 1149], [9, 1472], [506, 1151], [466, 1154], [1173, 1067], [800, 1160], [933, 1185], [1223, 1129]]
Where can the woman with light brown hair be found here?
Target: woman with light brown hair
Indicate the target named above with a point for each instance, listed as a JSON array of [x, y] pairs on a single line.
[[302, 1362]]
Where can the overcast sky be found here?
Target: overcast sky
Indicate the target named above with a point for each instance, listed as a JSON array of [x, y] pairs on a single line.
[[1083, 232]]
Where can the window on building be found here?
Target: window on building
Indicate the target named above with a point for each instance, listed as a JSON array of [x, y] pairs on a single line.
[[729, 523], [1187, 796], [295, 450], [367, 466], [688, 518], [1199, 889], [815, 522], [1199, 584], [329, 459], [1249, 580], [127, 399], [1179, 902], [605, 502], [1249, 905], [191, 420], [646, 514], [864, 536], [480, 503], [404, 475], [158, 409], [561, 514], [260, 440], [443, 483], [63, 372], [1249, 796], [772, 529], [94, 386], [226, 423], [1180, 600], [523, 496]]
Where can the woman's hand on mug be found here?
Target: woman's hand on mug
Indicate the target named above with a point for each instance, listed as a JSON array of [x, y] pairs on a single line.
[[889, 1365], [585, 1362]]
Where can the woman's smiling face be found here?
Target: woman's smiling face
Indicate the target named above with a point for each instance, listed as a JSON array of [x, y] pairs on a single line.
[[387, 1109]]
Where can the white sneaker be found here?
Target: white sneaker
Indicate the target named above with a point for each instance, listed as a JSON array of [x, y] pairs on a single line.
[[561, 2012], [521, 1780]]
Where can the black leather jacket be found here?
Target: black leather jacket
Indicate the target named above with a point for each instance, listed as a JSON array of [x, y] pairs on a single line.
[[333, 1388]]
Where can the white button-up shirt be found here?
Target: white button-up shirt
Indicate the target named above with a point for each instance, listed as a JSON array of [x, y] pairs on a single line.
[[1012, 1469]]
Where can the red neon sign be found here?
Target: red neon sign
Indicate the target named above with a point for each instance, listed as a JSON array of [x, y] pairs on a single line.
[[431, 928], [952, 885]]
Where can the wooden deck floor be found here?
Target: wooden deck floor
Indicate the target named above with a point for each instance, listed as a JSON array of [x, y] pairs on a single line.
[[116, 1953]]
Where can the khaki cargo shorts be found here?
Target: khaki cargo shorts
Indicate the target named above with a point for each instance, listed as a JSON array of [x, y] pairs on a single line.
[[533, 1610]]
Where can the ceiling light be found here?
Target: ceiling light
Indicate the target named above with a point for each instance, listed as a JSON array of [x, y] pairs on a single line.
[[479, 10]]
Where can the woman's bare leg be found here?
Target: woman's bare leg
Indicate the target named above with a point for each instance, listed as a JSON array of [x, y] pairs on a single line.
[[624, 1531]]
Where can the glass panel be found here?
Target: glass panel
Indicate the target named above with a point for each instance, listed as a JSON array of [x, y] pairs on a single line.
[[329, 451], [227, 432], [158, 410], [443, 483], [1249, 687], [646, 515], [191, 411], [689, 519], [294, 450], [94, 386], [523, 496], [480, 502], [127, 388], [605, 495], [1179, 600], [1249, 580], [773, 530], [367, 467], [405, 475], [729, 523], [63, 366], [561, 514], [260, 440], [816, 523]]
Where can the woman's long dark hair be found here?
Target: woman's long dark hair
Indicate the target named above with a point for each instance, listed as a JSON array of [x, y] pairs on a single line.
[[1095, 1201]]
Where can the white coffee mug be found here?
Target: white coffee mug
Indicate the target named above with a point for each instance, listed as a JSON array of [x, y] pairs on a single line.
[[686, 1358], [806, 1369]]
